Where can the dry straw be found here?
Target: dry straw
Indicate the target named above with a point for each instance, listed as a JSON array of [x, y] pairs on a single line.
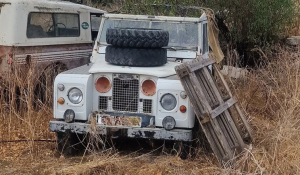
[[270, 95]]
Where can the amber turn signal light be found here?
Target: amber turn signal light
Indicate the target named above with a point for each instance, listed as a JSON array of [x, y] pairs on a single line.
[[61, 101], [148, 88], [102, 85], [182, 109]]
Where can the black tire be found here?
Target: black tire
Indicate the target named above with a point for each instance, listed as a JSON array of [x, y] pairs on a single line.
[[135, 56], [182, 149], [70, 144], [140, 37]]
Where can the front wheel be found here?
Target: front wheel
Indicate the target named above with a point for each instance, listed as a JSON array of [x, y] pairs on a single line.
[[70, 144], [182, 149]]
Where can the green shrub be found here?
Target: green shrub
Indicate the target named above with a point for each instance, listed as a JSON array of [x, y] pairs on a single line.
[[246, 24], [257, 22]]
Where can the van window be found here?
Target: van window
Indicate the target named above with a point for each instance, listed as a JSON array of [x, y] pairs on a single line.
[[46, 25]]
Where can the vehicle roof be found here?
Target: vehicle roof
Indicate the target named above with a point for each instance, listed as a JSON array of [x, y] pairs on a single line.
[[52, 5], [156, 18]]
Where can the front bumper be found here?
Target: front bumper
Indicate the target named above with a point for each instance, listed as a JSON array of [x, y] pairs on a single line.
[[122, 131]]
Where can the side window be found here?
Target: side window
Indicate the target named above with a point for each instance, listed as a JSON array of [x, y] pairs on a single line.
[[47, 25], [205, 39], [66, 25]]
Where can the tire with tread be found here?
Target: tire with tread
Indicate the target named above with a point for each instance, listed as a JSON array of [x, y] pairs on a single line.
[[137, 37], [138, 57]]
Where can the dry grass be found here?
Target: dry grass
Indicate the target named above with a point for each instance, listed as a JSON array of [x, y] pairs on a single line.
[[270, 95]]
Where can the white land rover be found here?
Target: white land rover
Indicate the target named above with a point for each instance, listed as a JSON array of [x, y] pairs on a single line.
[[130, 88]]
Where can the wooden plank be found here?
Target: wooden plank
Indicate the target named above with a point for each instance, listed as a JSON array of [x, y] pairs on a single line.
[[209, 93], [222, 79], [192, 96], [199, 64], [219, 135], [214, 142], [241, 114], [219, 127], [226, 131], [219, 132], [188, 87], [181, 71], [199, 91], [205, 119], [246, 124], [231, 126], [223, 106]]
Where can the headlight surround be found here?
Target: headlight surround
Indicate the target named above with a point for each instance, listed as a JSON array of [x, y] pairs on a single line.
[[75, 95], [102, 84], [168, 101], [148, 87]]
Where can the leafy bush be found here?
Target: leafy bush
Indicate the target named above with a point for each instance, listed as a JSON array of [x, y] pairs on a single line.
[[256, 22], [249, 23]]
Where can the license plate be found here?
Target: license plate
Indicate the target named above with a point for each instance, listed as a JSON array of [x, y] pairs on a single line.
[[120, 121]]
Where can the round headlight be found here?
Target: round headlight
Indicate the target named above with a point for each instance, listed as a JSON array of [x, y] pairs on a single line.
[[75, 95], [69, 116], [168, 102], [169, 123]]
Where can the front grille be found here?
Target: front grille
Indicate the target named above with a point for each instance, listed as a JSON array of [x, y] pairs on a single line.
[[147, 106], [125, 92], [102, 103]]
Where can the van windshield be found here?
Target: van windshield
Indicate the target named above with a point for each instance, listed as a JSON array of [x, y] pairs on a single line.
[[180, 34]]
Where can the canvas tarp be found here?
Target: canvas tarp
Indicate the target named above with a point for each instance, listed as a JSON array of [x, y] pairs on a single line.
[[213, 38]]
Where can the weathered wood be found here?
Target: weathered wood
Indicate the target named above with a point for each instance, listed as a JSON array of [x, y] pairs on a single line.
[[193, 95], [222, 79], [210, 108], [230, 129], [199, 64], [246, 124], [205, 119], [224, 106], [232, 126], [181, 71], [215, 132], [241, 114]]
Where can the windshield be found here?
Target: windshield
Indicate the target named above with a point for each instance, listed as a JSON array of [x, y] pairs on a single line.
[[181, 34]]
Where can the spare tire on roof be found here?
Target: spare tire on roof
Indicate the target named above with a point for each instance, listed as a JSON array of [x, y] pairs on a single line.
[[137, 37], [139, 57]]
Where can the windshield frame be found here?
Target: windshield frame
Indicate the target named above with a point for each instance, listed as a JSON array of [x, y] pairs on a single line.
[[198, 23]]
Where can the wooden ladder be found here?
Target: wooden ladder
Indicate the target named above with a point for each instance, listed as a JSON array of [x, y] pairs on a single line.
[[218, 112]]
